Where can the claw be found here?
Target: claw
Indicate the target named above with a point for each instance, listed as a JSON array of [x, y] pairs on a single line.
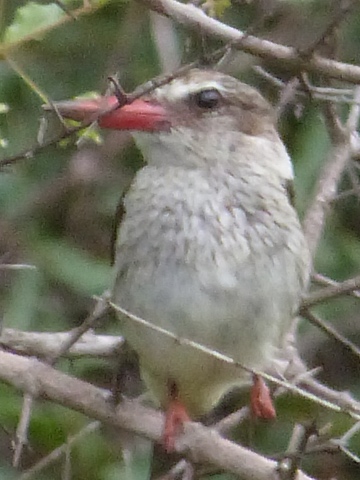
[[176, 416], [260, 400]]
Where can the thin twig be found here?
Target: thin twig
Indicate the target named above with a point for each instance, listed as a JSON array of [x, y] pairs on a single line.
[[68, 132], [296, 450], [330, 331], [21, 433], [338, 17], [57, 453], [288, 93], [350, 433], [324, 280], [354, 413], [324, 94], [17, 266], [21, 439], [100, 310], [66, 470], [333, 291]]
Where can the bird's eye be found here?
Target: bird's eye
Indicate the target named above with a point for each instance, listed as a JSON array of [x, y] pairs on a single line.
[[207, 99]]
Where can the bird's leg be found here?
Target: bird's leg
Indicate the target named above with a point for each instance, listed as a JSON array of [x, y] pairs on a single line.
[[175, 417], [260, 399]]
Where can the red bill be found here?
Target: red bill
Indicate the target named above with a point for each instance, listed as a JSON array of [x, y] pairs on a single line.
[[138, 115]]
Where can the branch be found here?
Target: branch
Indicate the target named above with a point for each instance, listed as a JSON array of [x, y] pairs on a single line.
[[68, 132], [321, 279], [331, 332], [47, 345], [198, 443], [326, 189], [194, 18], [21, 438], [99, 311], [333, 291], [106, 346], [353, 410], [60, 451], [344, 399]]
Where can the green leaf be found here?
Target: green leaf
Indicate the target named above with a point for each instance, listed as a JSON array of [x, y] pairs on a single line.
[[32, 20]]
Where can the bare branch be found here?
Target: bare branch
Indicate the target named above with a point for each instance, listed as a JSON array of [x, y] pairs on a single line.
[[326, 189], [21, 439], [70, 339], [67, 132], [296, 449], [323, 94], [17, 266], [194, 18], [323, 280], [44, 344], [199, 443], [329, 330], [60, 451], [100, 309], [334, 291], [352, 412], [344, 399]]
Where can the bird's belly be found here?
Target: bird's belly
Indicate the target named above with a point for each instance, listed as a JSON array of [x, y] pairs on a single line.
[[241, 318]]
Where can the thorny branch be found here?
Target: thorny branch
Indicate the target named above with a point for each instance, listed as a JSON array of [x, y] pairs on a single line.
[[198, 443], [344, 139], [337, 402]]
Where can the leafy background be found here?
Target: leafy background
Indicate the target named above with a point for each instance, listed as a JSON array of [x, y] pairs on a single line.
[[57, 207]]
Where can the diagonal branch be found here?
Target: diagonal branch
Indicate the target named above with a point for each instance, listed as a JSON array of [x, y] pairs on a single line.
[[60, 451], [199, 443], [331, 331], [333, 291], [195, 19], [353, 410]]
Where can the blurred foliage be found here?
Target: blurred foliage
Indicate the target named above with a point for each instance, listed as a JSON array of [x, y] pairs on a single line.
[[57, 208]]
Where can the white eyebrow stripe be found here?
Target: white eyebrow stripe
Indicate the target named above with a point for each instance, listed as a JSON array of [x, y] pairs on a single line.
[[180, 90]]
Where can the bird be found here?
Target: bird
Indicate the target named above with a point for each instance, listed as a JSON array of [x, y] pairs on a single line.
[[209, 246]]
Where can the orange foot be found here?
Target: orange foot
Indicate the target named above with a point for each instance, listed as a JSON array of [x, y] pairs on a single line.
[[175, 417], [260, 400]]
